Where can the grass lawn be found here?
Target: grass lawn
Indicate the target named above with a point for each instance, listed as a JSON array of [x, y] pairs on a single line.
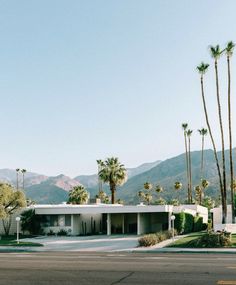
[[185, 242], [11, 241]]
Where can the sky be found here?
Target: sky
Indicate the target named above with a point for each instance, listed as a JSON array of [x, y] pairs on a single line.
[[86, 80]]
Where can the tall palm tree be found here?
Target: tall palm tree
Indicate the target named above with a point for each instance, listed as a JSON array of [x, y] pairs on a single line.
[[216, 53], [185, 127], [229, 52], [23, 171], [113, 173], [190, 198], [159, 189], [202, 69], [198, 190], [17, 178], [203, 133]]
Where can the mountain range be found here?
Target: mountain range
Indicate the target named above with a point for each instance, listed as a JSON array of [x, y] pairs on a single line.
[[46, 189]]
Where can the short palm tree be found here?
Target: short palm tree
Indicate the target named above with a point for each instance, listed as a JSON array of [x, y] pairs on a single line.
[[202, 69], [78, 195], [203, 133], [113, 173], [148, 198], [178, 186], [141, 196], [147, 186], [198, 190], [190, 198], [229, 52], [216, 52], [23, 171], [185, 128]]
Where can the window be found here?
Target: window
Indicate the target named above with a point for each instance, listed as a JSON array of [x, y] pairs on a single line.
[[54, 221], [67, 220]]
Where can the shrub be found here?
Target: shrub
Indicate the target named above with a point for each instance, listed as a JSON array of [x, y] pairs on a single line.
[[32, 223], [198, 224], [212, 239], [204, 226], [179, 222], [51, 233], [188, 224], [148, 240], [62, 233], [152, 239]]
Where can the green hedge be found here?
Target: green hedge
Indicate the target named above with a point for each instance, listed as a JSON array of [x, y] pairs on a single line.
[[184, 223], [198, 224]]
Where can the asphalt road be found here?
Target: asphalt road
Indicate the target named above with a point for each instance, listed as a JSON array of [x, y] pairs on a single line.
[[106, 268]]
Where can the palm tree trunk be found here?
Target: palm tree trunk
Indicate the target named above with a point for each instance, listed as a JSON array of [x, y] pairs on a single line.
[[224, 210], [17, 181], [190, 172], [230, 144], [23, 181], [113, 190], [222, 138], [187, 164], [202, 157]]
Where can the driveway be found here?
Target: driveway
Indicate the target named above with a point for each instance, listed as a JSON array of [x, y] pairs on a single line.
[[89, 243]]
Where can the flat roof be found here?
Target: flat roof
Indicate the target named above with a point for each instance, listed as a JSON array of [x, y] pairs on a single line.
[[100, 209]]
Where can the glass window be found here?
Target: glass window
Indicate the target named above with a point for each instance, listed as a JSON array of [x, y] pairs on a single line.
[[54, 221], [67, 220]]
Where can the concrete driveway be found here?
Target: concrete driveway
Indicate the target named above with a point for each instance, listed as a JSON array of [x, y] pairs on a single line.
[[101, 243]]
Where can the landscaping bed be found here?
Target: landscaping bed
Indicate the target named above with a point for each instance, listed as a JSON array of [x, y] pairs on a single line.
[[11, 241], [153, 239], [206, 240]]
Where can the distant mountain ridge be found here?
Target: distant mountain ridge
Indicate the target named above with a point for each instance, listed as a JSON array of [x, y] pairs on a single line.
[[54, 189]]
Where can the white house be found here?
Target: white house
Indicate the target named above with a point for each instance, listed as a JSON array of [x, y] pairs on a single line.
[[217, 220], [110, 219]]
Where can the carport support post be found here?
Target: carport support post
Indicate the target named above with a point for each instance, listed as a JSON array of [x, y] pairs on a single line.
[[123, 224], [138, 224], [108, 224], [169, 221]]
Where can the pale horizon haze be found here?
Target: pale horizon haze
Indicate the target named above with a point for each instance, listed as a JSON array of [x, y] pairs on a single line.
[[86, 80]]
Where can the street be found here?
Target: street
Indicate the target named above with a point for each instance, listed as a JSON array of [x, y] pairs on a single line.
[[116, 268]]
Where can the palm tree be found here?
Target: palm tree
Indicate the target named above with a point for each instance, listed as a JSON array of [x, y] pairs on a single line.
[[198, 190], [78, 195], [202, 69], [147, 186], [23, 171], [113, 173], [190, 198], [178, 186], [159, 189], [17, 178], [148, 198], [203, 133], [141, 196], [185, 127], [99, 163], [229, 52], [216, 53]]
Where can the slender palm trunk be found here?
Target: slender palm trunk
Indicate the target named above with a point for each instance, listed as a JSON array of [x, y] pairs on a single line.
[[187, 163], [113, 190], [17, 181], [230, 144], [222, 137], [224, 210], [23, 181], [202, 157], [190, 172]]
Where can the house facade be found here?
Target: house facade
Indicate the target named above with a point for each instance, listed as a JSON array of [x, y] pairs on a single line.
[[110, 219]]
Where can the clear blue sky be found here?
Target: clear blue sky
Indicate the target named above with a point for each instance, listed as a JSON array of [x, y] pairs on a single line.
[[83, 80]]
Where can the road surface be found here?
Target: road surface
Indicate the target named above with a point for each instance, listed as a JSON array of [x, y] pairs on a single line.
[[116, 268]]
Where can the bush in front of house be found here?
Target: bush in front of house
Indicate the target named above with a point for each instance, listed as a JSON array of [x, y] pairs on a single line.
[[188, 225], [153, 239], [148, 240], [62, 233], [180, 222], [51, 233], [212, 239], [197, 224]]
